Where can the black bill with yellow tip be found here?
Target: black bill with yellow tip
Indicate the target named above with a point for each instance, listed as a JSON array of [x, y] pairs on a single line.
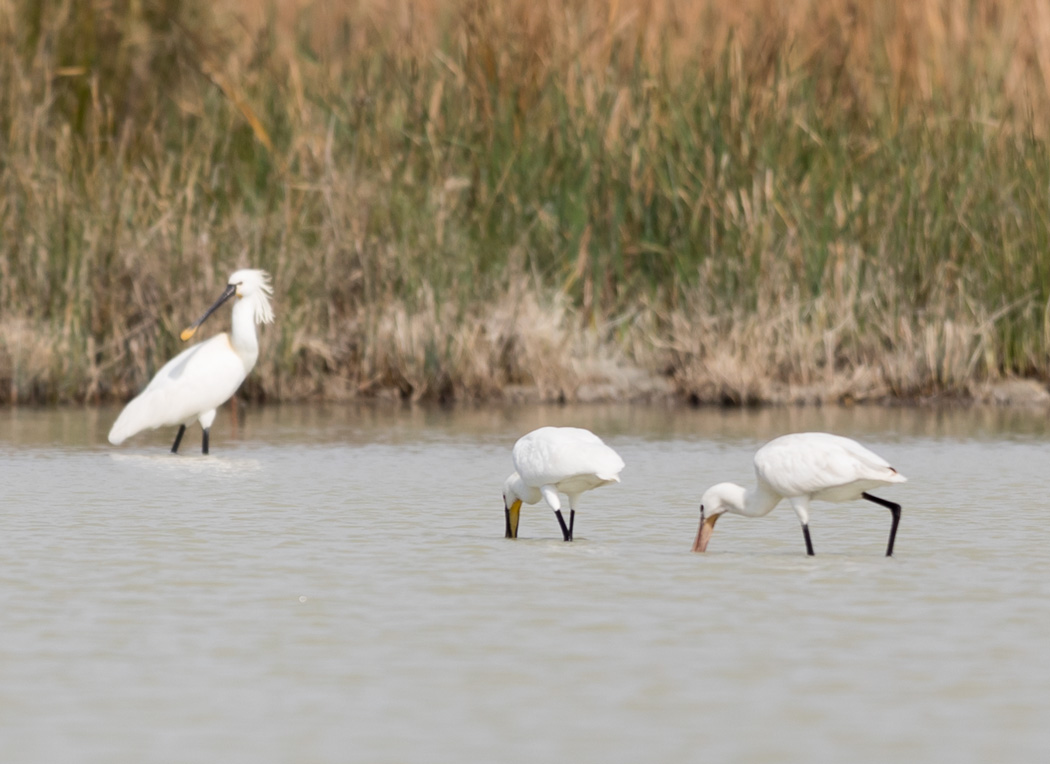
[[512, 513], [189, 331]]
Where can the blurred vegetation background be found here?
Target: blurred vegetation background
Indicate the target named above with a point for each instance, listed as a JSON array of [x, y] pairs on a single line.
[[732, 201]]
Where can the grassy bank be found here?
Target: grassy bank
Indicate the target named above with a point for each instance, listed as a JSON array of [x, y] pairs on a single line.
[[743, 201]]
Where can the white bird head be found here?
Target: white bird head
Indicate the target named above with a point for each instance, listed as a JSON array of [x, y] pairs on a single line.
[[716, 501], [512, 504], [254, 285], [248, 284], [514, 493]]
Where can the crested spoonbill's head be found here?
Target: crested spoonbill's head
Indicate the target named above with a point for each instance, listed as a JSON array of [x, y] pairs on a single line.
[[249, 284]]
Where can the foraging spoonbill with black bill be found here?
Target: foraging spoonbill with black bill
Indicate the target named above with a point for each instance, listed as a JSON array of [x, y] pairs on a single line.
[[552, 459]]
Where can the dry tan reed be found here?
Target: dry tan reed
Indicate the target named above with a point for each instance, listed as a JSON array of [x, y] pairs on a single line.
[[918, 51]]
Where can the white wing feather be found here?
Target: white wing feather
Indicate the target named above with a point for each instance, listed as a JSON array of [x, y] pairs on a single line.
[[812, 462], [551, 454]]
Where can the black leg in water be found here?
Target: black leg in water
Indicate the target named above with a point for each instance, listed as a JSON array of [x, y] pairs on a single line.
[[204, 443], [895, 510], [572, 522], [178, 439], [809, 544], [506, 514], [565, 532]]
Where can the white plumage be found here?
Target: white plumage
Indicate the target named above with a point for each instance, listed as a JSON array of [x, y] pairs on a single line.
[[193, 384], [552, 459], [802, 467]]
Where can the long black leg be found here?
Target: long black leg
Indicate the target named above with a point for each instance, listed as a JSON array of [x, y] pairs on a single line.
[[506, 513], [809, 544], [565, 532], [572, 522], [178, 439], [204, 443], [895, 510]]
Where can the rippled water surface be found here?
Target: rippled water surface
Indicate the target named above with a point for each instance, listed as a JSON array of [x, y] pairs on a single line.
[[333, 585]]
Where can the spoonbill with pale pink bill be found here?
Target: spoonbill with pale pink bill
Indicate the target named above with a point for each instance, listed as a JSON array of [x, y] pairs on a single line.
[[193, 384], [552, 459], [802, 467]]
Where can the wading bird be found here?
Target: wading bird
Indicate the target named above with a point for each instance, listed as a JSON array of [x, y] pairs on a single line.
[[800, 468], [552, 459], [193, 384]]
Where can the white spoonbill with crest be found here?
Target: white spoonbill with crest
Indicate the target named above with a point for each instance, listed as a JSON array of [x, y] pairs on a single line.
[[193, 384]]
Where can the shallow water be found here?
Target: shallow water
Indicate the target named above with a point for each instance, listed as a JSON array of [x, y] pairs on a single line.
[[332, 585]]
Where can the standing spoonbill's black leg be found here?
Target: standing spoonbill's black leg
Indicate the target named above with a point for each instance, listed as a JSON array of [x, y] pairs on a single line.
[[204, 443], [809, 544], [178, 439], [565, 532], [572, 522], [895, 510]]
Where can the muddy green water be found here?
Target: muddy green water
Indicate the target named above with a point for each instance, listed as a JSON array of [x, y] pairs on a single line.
[[332, 585]]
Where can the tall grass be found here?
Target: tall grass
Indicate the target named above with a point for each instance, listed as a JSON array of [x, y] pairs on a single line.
[[747, 200]]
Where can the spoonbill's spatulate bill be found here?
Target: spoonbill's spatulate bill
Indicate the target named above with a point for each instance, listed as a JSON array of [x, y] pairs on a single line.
[[800, 468], [193, 384], [553, 459]]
